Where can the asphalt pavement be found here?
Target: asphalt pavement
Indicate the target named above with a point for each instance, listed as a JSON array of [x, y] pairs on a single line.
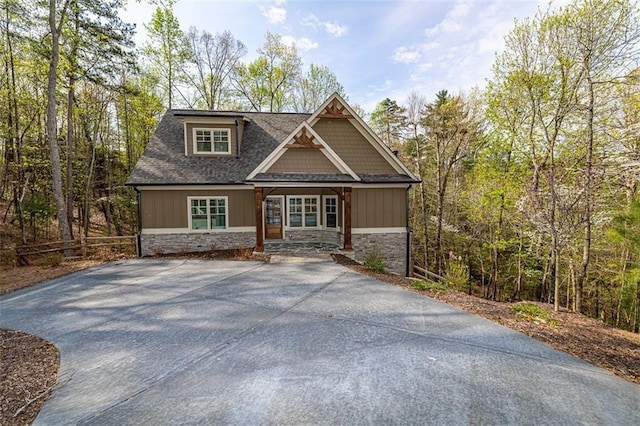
[[182, 341]]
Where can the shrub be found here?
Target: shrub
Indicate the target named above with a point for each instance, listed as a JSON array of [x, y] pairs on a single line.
[[457, 274], [424, 285], [374, 261], [53, 259], [533, 313]]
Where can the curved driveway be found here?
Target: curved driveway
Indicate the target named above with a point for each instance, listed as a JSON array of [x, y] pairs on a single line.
[[156, 341]]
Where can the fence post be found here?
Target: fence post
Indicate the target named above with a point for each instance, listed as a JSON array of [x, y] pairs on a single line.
[[83, 245]]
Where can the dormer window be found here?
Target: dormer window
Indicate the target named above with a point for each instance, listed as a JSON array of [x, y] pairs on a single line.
[[211, 141]]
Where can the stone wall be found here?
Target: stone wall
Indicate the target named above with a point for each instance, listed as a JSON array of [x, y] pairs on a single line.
[[192, 242], [393, 247], [313, 236]]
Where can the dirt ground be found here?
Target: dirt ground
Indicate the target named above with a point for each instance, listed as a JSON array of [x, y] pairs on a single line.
[[30, 364]]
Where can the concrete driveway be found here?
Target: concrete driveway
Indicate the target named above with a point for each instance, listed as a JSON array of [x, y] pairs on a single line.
[[188, 341]]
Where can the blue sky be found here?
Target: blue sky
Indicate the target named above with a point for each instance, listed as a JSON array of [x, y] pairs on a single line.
[[377, 48]]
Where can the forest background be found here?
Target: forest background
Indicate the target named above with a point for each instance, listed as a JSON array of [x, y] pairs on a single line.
[[529, 186]]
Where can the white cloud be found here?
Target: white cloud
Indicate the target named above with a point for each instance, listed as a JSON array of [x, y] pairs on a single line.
[[406, 55], [332, 28], [275, 15], [303, 43]]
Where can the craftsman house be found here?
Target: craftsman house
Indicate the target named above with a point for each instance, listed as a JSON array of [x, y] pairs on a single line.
[[220, 180]]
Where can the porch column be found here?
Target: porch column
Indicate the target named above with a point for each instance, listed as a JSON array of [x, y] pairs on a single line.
[[347, 219], [259, 221]]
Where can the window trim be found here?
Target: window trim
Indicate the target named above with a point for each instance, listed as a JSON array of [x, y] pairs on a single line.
[[211, 130], [208, 198], [324, 212], [304, 226]]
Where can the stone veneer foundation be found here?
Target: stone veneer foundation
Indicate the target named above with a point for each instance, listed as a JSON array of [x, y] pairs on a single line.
[[192, 242], [393, 247]]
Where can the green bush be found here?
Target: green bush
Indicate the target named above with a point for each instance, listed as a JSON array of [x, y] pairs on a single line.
[[533, 313], [424, 285], [457, 274], [374, 261]]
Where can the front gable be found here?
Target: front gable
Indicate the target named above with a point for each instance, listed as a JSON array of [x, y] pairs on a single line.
[[303, 152]]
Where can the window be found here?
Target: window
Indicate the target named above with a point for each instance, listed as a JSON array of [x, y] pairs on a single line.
[[331, 212], [303, 212], [211, 141], [208, 213]]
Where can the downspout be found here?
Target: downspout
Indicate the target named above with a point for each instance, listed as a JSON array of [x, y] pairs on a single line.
[[406, 210], [237, 140], [139, 234]]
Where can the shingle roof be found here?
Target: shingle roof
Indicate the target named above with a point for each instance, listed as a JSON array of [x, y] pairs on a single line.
[[164, 163]]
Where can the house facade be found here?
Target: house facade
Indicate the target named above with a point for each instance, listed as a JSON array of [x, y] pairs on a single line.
[[221, 180]]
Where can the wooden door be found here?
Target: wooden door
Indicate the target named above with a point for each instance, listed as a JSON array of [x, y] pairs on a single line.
[[273, 218]]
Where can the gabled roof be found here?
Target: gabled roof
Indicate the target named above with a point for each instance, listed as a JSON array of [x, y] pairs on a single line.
[[265, 138], [164, 162]]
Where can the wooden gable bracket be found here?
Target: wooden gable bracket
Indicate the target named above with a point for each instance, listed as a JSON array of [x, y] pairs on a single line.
[[339, 192], [266, 192], [304, 141], [334, 110]]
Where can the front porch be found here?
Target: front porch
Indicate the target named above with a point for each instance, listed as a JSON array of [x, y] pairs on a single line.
[[303, 219]]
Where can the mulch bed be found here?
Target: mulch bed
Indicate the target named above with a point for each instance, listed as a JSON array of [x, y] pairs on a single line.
[[29, 370]]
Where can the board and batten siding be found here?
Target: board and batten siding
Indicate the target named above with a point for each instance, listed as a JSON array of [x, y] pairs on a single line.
[[379, 208], [169, 209], [352, 147]]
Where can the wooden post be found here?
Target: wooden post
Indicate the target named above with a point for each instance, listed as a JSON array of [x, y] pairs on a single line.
[[347, 219], [259, 221]]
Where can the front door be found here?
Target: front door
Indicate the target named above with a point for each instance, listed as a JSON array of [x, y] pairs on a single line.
[[273, 218]]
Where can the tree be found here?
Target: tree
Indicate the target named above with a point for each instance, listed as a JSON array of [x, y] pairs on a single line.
[[268, 81], [388, 119], [214, 58], [166, 53], [315, 87], [452, 134], [56, 20]]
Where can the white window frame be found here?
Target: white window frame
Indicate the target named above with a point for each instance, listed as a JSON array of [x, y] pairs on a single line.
[[304, 198], [208, 207], [324, 211], [211, 131]]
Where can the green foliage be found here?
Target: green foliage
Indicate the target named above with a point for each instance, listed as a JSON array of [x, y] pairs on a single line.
[[425, 285], [374, 261], [533, 313], [457, 274]]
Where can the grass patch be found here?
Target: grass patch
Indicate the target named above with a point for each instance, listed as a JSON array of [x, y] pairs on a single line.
[[533, 313]]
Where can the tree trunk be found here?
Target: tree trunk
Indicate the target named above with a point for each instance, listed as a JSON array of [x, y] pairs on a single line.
[[63, 223], [586, 245]]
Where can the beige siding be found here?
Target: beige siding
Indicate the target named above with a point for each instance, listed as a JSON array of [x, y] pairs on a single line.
[[228, 126], [379, 207], [352, 147], [299, 160], [169, 209]]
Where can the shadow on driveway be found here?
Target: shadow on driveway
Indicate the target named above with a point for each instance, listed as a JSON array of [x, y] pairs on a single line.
[[168, 341]]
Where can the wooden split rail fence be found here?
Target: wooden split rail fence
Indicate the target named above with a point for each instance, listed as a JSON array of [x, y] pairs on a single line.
[[82, 247], [423, 273]]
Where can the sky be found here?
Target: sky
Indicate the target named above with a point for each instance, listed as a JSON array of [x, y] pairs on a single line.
[[377, 48]]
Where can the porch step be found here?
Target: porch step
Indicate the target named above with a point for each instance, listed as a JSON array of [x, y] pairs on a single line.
[[299, 247]]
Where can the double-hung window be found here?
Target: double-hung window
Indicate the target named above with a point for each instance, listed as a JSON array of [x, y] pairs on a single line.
[[303, 212], [208, 213], [211, 141]]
